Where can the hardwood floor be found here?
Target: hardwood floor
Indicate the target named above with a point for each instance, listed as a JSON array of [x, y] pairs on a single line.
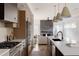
[[40, 50]]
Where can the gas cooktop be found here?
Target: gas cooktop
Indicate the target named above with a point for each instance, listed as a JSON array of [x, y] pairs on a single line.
[[8, 45]]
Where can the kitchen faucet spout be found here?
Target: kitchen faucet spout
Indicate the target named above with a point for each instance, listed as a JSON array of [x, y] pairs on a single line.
[[61, 34]]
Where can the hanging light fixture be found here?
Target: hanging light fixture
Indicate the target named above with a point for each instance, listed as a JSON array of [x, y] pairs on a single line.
[[54, 18], [58, 14], [65, 12]]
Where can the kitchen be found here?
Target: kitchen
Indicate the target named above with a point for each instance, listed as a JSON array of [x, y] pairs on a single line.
[[29, 29]]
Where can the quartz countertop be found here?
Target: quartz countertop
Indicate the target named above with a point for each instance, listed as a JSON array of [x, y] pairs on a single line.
[[3, 51], [64, 49]]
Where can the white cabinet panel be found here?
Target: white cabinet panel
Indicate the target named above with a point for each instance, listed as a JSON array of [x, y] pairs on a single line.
[[10, 12]]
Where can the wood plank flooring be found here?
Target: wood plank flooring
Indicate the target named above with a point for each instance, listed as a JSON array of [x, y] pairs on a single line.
[[40, 50]]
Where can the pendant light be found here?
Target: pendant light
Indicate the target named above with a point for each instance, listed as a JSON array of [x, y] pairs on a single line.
[[54, 18], [65, 12], [58, 14]]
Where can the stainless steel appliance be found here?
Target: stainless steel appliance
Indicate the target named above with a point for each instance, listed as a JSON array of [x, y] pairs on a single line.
[[15, 51]]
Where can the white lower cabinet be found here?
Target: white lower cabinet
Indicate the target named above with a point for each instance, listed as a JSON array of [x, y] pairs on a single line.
[[52, 47], [53, 50]]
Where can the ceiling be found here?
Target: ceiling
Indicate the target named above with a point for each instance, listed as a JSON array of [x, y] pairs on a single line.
[[42, 10], [45, 10]]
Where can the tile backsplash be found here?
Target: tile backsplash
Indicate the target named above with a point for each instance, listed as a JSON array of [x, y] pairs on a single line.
[[4, 31]]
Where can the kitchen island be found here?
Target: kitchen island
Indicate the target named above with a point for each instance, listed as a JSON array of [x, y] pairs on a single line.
[[65, 50]]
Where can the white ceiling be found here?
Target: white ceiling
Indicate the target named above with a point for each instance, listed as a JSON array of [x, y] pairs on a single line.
[[44, 10], [36, 7]]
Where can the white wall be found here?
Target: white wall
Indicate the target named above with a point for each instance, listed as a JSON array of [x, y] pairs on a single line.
[[72, 32], [3, 32], [36, 26], [30, 16]]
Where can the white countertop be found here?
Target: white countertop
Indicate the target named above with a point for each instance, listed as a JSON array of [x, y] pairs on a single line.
[[3, 51], [64, 49]]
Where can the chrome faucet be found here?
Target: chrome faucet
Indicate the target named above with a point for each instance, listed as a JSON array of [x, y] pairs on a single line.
[[61, 34]]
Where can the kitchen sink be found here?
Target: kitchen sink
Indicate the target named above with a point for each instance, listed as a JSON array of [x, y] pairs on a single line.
[[56, 39], [5, 45]]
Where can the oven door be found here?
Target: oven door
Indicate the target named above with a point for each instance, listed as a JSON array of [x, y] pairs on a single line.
[[17, 53]]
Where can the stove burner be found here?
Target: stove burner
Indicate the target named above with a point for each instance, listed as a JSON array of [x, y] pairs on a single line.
[[7, 45]]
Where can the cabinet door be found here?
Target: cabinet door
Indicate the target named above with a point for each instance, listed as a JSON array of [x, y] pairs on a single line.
[[19, 33], [10, 12], [17, 54], [1, 11]]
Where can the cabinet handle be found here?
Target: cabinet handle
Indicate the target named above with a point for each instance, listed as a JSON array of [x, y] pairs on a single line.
[[15, 18]]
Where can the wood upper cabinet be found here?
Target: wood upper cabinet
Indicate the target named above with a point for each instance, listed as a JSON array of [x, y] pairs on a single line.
[[8, 12], [19, 32]]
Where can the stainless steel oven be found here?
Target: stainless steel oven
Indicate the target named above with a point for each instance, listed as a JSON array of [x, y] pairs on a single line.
[[15, 51]]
